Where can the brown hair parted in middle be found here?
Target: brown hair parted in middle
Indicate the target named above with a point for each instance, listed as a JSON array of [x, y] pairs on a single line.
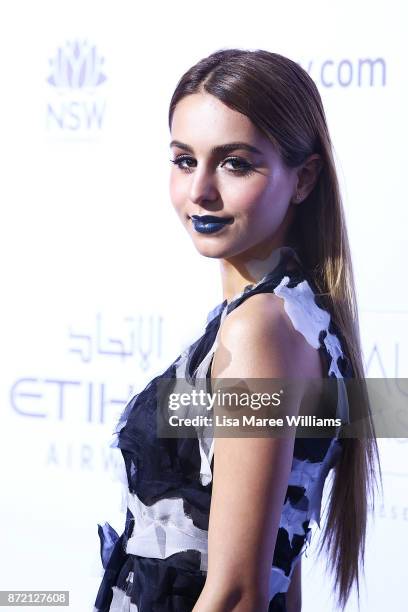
[[282, 101]]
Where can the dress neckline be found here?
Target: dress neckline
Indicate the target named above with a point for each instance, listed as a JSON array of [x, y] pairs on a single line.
[[284, 254]]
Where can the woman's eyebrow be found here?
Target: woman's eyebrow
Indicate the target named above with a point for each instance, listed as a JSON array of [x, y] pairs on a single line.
[[225, 148]]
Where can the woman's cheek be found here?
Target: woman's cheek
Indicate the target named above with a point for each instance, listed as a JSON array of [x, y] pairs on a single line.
[[244, 199], [177, 193]]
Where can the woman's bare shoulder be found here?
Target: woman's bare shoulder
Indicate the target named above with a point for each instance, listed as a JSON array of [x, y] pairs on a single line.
[[260, 333]]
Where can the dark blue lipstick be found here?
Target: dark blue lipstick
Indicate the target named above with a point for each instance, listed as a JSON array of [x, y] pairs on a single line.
[[207, 224]]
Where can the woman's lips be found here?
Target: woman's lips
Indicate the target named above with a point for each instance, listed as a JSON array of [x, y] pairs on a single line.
[[207, 224]]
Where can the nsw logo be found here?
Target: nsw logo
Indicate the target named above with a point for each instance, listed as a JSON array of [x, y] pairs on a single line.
[[76, 82]]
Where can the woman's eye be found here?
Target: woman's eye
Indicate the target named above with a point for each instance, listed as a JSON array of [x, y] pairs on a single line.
[[239, 166], [178, 161]]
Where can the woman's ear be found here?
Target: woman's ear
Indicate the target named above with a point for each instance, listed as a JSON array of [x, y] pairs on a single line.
[[308, 174]]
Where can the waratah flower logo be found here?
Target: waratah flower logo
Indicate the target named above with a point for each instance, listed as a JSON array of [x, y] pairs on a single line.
[[77, 66]]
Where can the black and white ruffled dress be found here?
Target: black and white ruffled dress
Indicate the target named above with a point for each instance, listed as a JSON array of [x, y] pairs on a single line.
[[159, 562]]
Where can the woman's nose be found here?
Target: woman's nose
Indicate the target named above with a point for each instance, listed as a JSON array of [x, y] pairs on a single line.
[[203, 187]]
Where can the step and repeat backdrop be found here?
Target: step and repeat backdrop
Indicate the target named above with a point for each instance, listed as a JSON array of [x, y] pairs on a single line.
[[101, 286]]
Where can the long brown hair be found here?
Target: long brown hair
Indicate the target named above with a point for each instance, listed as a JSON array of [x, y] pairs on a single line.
[[282, 100]]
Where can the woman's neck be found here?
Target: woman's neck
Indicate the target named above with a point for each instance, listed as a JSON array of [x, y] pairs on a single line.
[[238, 272]]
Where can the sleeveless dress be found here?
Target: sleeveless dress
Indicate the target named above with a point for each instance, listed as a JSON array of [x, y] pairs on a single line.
[[159, 562]]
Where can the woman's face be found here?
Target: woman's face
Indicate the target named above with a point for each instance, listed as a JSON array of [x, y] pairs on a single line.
[[225, 167]]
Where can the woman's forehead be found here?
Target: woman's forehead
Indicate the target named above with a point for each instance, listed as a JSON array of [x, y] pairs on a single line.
[[201, 120], [205, 113]]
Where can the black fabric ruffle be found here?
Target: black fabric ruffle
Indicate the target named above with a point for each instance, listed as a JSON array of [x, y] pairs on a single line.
[[155, 585]]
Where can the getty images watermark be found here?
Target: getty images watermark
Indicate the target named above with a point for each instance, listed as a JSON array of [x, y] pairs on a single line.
[[282, 407], [237, 408], [226, 399]]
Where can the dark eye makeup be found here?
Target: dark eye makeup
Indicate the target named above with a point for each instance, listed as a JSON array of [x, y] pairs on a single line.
[[243, 167]]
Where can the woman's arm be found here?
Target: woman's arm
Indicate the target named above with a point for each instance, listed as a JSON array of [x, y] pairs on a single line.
[[294, 593], [250, 476]]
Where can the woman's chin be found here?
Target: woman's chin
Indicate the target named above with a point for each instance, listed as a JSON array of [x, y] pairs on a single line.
[[208, 248], [214, 253], [219, 249]]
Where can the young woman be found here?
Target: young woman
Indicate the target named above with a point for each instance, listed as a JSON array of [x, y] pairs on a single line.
[[220, 524]]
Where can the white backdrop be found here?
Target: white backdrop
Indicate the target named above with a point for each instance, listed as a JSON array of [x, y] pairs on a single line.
[[101, 286]]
